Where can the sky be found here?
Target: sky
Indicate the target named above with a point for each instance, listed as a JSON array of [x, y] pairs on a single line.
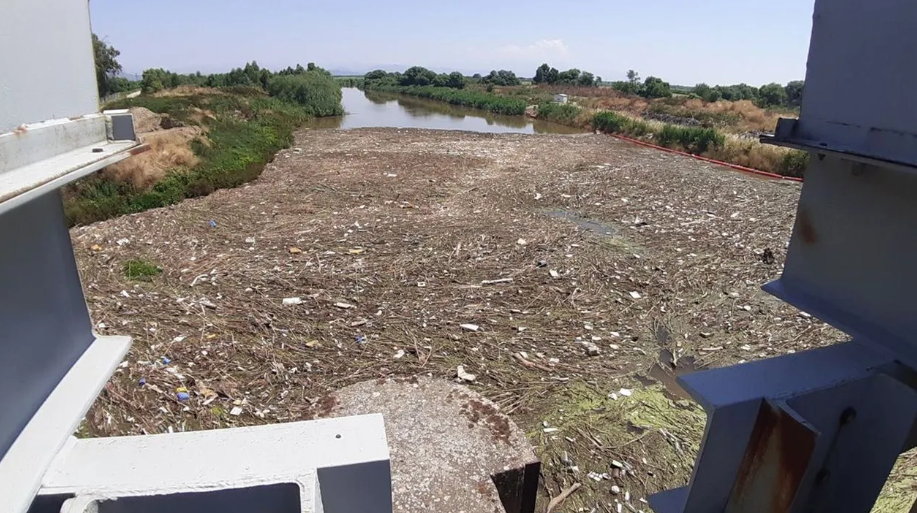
[[715, 41]]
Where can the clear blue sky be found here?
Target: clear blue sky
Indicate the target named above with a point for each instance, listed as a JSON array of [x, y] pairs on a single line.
[[713, 41]]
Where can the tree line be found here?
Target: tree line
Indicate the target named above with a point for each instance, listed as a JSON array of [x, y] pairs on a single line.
[[545, 74], [312, 87], [769, 95]]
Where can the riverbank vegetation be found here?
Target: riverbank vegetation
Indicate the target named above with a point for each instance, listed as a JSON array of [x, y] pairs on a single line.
[[647, 109], [724, 129], [450, 88], [203, 137]]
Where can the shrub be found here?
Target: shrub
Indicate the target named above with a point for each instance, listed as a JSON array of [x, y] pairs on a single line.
[[692, 139], [559, 113], [317, 92], [794, 163]]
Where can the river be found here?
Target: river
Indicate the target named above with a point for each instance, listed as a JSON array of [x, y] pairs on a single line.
[[374, 109]]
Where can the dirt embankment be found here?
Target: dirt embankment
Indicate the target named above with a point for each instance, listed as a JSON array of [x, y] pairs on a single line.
[[370, 253], [170, 148]]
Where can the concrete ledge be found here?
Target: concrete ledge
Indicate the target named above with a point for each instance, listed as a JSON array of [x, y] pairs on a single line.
[[346, 458]]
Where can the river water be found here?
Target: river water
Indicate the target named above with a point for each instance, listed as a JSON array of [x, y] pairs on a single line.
[[373, 109]]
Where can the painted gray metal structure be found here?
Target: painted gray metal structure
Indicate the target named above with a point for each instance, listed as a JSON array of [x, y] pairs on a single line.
[[819, 431], [53, 366]]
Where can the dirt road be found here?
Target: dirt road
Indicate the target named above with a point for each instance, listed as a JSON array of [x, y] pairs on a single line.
[[412, 252]]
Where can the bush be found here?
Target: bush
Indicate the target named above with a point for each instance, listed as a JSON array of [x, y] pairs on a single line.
[[691, 139], [317, 92], [615, 123], [794, 163], [559, 113]]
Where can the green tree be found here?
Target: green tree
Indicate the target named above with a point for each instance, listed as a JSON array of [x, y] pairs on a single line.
[[501, 78], [377, 74], [155, 80], [542, 74], [654, 87], [633, 77], [586, 79], [794, 91], [418, 76], [568, 77], [107, 66], [772, 95], [455, 80]]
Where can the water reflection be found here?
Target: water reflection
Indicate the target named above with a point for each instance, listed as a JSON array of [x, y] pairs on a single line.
[[374, 109]]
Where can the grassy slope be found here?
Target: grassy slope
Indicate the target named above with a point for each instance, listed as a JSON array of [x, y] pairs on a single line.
[[246, 130]]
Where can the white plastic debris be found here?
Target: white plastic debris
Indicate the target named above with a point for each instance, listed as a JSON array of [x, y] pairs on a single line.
[[399, 354], [554, 274], [550, 430], [470, 327], [521, 242], [537, 196], [615, 489], [617, 464], [289, 301], [635, 295], [179, 338], [343, 306], [805, 315], [626, 392], [592, 349], [250, 240], [122, 242], [499, 280], [236, 411], [595, 476], [614, 347], [464, 376]]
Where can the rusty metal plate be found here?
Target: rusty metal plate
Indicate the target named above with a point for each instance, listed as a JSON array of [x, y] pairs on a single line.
[[775, 462]]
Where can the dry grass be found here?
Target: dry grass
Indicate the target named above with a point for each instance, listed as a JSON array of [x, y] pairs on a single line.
[[749, 153], [752, 118], [187, 90], [169, 149]]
